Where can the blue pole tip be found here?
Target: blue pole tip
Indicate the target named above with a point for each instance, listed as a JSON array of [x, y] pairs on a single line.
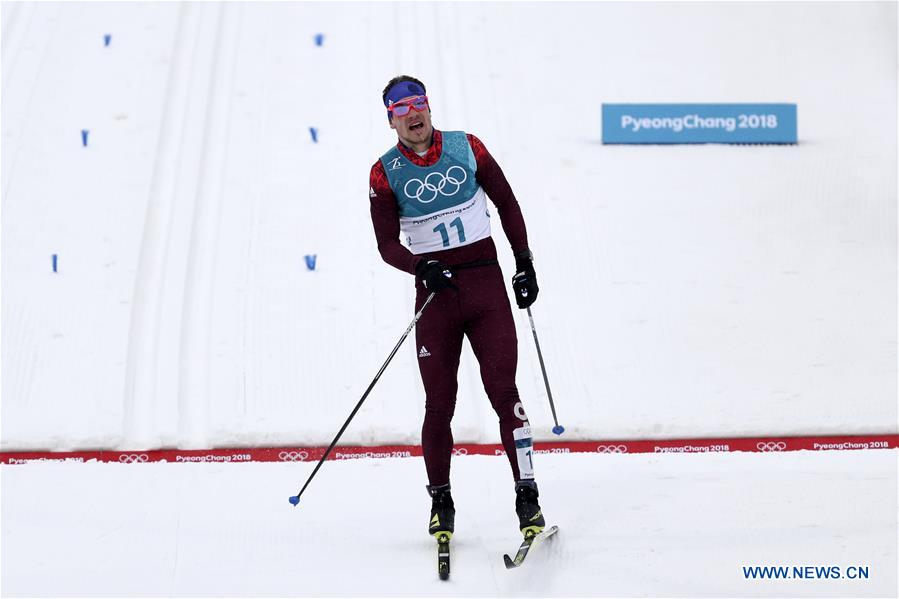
[[294, 499], [558, 430]]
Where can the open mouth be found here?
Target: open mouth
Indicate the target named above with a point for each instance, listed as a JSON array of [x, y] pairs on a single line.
[[416, 126]]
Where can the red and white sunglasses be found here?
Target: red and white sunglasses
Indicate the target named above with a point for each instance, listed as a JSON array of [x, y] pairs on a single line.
[[403, 107]]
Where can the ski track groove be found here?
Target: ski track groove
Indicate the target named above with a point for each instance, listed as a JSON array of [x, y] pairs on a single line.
[[18, 333], [200, 274], [7, 77], [10, 20], [249, 366], [143, 339]]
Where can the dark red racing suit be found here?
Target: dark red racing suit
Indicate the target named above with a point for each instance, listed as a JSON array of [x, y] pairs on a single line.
[[479, 309]]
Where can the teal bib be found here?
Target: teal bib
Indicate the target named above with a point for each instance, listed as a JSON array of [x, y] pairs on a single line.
[[421, 190], [441, 206]]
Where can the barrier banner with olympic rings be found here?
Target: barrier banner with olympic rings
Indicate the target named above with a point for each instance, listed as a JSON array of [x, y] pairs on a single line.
[[546, 445]]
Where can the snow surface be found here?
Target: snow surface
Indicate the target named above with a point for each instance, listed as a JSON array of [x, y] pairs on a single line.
[[685, 291], [631, 525]]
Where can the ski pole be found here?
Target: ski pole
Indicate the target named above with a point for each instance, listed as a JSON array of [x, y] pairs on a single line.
[[558, 430], [295, 499]]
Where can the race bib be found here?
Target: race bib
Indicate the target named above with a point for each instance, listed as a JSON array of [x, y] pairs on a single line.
[[524, 450], [453, 227]]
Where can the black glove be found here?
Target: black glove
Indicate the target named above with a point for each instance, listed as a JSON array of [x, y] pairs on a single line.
[[524, 283], [435, 276]]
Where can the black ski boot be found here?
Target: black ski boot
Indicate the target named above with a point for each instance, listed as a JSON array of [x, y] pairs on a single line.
[[443, 512], [530, 517]]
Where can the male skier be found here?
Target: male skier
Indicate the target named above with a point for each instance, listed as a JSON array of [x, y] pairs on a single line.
[[431, 186]]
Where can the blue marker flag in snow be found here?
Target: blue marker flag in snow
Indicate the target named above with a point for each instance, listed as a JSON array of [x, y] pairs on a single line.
[[84, 133], [310, 261], [106, 39], [314, 133], [699, 123], [54, 262], [319, 39]]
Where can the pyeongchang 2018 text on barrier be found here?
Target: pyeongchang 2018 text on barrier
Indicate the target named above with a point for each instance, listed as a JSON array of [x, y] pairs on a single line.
[[699, 123]]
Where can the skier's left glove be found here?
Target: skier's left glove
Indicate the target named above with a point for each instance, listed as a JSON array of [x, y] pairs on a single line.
[[524, 283]]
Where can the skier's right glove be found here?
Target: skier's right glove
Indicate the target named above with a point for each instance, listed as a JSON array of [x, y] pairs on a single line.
[[435, 276]]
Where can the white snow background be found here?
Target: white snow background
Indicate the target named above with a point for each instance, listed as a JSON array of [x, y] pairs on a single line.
[[686, 291]]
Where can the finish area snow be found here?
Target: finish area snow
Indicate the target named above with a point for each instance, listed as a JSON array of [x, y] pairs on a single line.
[[631, 525]]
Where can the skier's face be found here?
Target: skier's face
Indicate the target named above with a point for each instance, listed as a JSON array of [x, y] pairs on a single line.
[[414, 128]]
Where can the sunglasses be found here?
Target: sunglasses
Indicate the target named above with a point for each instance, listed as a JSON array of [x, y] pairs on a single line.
[[403, 107]]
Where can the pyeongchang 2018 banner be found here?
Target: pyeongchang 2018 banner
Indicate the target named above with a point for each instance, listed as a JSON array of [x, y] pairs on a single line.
[[699, 123]]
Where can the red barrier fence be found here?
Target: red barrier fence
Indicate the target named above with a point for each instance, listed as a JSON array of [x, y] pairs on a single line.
[[312, 454]]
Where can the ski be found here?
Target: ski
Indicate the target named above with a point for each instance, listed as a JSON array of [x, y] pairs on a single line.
[[526, 545], [443, 556]]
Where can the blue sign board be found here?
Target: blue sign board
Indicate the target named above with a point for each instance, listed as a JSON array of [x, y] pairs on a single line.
[[699, 123]]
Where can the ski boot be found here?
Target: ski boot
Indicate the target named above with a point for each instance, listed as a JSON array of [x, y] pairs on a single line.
[[530, 517], [443, 512]]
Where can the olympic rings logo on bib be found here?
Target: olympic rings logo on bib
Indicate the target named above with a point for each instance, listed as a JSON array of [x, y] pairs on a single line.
[[427, 191]]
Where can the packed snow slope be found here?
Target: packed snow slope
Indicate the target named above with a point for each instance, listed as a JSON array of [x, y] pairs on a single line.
[[630, 526], [686, 291]]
